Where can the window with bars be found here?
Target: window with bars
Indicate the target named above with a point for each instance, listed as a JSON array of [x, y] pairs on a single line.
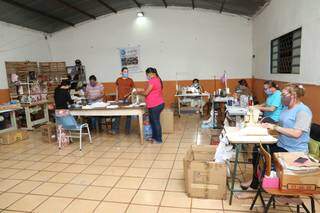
[[285, 53]]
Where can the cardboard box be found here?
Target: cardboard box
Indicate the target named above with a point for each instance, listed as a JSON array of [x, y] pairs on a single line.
[[309, 181], [203, 177], [167, 121], [13, 136]]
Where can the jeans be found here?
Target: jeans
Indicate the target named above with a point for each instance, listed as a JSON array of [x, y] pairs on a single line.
[[94, 122], [116, 124], [255, 162], [154, 117]]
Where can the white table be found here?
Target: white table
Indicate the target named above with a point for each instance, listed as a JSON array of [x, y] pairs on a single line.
[[191, 95], [12, 119], [237, 140], [121, 111], [32, 123]]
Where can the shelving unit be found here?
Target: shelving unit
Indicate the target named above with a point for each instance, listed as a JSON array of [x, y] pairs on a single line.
[[47, 76]]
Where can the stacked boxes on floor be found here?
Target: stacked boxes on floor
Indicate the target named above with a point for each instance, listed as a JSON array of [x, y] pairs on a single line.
[[204, 178]]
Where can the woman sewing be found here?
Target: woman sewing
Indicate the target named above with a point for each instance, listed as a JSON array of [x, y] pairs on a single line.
[[294, 128], [272, 107]]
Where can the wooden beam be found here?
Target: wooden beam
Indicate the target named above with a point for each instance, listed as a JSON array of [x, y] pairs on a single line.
[[137, 3], [25, 7], [76, 9], [107, 6], [165, 3], [222, 6], [193, 5]]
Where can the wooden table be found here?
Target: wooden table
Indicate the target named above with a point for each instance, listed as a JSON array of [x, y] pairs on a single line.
[[191, 95], [12, 120], [31, 123], [121, 111], [238, 140]]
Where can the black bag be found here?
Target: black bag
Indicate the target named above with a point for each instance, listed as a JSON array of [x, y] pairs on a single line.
[[315, 132]]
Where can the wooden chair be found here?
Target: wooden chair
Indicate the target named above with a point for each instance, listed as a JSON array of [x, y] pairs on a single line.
[[265, 169]]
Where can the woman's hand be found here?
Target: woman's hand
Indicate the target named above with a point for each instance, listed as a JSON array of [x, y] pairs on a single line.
[[268, 126]]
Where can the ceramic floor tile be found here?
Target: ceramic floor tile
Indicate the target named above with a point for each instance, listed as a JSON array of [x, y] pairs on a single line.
[[94, 193], [5, 173], [6, 199], [206, 204], [109, 207], [75, 168], [177, 174], [173, 210], [43, 176], [53, 205], [176, 199], [23, 174], [27, 203], [136, 172], [120, 195], [129, 183], [83, 206], [145, 197], [47, 189], [108, 181], [83, 179], [115, 171], [103, 162], [57, 167], [139, 208], [163, 164], [154, 184], [142, 164], [94, 169], [39, 166], [176, 185], [159, 173], [63, 177], [70, 190], [122, 162], [7, 184], [208, 211], [25, 186]]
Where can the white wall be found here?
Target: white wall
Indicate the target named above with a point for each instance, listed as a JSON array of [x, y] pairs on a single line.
[[199, 42], [20, 44], [281, 17]]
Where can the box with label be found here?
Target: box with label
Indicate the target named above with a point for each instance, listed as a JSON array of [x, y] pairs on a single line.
[[167, 121], [204, 178], [13, 136], [308, 180]]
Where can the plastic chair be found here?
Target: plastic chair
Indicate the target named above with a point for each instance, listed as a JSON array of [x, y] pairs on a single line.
[[69, 123], [265, 169]]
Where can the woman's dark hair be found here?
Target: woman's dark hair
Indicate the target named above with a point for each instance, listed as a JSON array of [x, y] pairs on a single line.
[[124, 68], [93, 78], [272, 84], [243, 82], [195, 80], [154, 71], [65, 82]]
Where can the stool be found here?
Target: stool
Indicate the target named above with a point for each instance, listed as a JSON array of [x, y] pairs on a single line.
[[48, 132]]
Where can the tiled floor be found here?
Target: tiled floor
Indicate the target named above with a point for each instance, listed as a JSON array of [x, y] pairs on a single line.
[[115, 174]]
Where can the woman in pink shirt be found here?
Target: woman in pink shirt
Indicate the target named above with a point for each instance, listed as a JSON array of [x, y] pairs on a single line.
[[154, 101]]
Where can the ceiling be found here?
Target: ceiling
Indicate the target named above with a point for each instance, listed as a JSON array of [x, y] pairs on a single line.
[[53, 15]]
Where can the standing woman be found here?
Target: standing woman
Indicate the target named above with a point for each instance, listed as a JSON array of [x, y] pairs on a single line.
[[154, 101]]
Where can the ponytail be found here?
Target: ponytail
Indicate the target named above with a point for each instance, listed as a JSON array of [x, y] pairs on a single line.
[[154, 70]]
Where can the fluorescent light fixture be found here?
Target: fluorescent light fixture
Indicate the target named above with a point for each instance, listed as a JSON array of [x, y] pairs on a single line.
[[140, 14]]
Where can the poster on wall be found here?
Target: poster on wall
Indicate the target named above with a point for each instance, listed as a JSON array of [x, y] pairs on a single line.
[[130, 57]]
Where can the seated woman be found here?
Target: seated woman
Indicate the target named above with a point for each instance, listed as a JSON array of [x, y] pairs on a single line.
[[62, 96], [294, 128], [242, 88], [196, 101], [272, 107]]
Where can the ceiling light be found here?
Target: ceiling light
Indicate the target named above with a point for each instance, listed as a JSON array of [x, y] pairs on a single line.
[[140, 14]]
